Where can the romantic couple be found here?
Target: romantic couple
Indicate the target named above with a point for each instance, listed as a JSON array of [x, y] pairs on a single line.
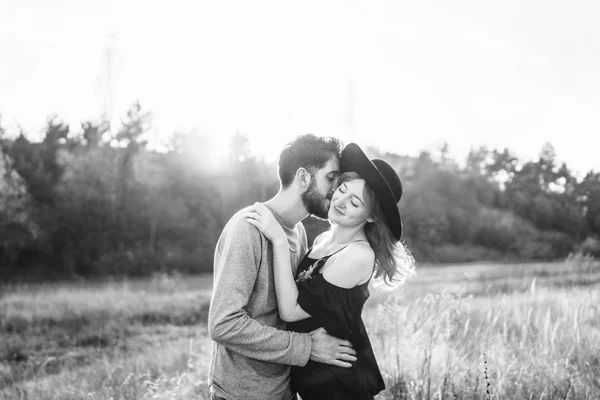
[[285, 319]]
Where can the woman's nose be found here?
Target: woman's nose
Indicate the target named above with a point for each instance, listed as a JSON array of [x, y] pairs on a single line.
[[341, 201]]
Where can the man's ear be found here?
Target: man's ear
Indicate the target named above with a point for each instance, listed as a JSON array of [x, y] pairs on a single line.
[[303, 177]]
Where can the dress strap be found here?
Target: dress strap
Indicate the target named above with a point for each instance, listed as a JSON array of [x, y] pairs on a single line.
[[309, 251], [337, 251]]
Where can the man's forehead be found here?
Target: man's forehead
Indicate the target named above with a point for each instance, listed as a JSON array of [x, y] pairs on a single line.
[[332, 167]]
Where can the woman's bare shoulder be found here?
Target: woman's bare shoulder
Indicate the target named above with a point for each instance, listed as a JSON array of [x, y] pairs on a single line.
[[320, 242], [351, 266], [322, 238]]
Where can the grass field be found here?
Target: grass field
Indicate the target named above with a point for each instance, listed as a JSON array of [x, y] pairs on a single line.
[[481, 331]]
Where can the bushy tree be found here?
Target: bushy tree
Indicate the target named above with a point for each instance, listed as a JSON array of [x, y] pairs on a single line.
[[17, 230], [96, 202], [587, 194]]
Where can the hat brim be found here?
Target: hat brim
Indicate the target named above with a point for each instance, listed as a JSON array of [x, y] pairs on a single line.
[[354, 159]]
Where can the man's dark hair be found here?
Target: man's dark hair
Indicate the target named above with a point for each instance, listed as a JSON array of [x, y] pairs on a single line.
[[306, 151]]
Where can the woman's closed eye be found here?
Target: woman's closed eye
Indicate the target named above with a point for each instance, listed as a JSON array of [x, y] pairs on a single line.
[[343, 189]]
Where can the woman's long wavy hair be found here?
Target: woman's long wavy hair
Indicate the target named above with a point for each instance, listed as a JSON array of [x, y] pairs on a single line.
[[394, 263]]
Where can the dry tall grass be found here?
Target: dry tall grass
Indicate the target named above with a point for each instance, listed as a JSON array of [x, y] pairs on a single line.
[[462, 332], [544, 344]]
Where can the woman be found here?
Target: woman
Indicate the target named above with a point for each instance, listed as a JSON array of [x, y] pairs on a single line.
[[331, 284]]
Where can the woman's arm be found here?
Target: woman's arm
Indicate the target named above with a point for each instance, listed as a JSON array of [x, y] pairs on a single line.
[[285, 287]]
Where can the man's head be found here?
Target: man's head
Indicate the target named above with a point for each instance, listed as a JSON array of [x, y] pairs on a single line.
[[310, 163]]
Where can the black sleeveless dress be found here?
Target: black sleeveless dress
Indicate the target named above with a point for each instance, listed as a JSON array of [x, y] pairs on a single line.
[[338, 310]]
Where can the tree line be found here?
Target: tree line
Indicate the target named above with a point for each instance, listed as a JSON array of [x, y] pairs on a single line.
[[97, 202]]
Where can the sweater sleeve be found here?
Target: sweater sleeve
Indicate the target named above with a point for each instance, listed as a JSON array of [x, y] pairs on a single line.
[[237, 259]]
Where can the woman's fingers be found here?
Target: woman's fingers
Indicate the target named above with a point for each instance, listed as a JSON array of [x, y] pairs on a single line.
[[254, 208], [259, 225], [260, 206], [254, 219], [253, 215]]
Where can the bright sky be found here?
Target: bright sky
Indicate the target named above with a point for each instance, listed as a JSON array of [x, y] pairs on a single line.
[[402, 76]]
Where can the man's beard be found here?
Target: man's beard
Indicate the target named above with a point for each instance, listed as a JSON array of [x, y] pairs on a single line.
[[315, 203]]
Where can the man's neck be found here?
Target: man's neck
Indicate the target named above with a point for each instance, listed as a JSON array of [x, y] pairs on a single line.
[[289, 206]]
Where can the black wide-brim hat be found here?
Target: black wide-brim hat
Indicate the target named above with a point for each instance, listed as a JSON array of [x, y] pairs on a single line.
[[382, 178]]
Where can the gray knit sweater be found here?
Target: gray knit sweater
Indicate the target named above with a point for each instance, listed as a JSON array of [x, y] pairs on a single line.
[[252, 352]]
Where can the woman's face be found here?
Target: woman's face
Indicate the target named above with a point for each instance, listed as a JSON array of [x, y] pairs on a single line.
[[349, 206]]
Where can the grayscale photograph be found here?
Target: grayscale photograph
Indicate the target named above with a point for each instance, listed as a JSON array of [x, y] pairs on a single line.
[[299, 200]]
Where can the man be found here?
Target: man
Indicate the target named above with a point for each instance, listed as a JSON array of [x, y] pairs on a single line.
[[252, 352]]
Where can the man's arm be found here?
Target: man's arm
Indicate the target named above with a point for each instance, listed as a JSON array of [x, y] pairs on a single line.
[[325, 348], [237, 260]]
